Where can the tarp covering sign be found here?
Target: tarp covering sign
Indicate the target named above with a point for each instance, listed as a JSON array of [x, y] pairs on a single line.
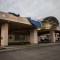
[[34, 23]]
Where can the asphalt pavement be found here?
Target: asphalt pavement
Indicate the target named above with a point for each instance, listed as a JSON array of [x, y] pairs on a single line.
[[51, 52]]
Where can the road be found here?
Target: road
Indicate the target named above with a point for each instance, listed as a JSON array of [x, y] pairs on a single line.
[[38, 53]]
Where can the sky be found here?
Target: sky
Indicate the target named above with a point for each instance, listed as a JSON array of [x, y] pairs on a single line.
[[32, 8]]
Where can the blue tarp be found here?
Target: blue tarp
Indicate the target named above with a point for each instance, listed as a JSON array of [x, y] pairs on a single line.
[[34, 23]]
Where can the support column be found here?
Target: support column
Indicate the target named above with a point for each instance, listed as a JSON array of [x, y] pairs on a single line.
[[33, 36], [52, 36], [4, 34]]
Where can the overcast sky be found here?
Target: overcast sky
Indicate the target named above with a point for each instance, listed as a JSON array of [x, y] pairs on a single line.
[[32, 8]]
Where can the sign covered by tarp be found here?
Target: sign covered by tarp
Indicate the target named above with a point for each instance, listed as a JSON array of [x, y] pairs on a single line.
[[35, 23]]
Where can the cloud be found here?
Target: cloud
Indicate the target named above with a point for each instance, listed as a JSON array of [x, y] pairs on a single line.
[[32, 8]]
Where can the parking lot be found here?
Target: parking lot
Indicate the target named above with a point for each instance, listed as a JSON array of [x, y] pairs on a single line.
[[35, 53]]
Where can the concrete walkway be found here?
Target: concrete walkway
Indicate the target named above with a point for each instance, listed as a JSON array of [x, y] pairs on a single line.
[[22, 47]]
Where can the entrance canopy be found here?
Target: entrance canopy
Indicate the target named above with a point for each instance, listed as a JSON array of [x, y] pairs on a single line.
[[15, 23], [7, 17]]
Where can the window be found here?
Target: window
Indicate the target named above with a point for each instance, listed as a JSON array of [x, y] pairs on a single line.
[[20, 37]]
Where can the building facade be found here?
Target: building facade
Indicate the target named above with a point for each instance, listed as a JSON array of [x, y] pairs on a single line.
[[19, 29]]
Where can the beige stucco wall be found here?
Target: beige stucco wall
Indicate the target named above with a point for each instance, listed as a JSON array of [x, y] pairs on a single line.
[[12, 39]]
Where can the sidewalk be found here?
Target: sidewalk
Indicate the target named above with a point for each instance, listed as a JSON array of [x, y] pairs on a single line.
[[22, 47], [1, 48]]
